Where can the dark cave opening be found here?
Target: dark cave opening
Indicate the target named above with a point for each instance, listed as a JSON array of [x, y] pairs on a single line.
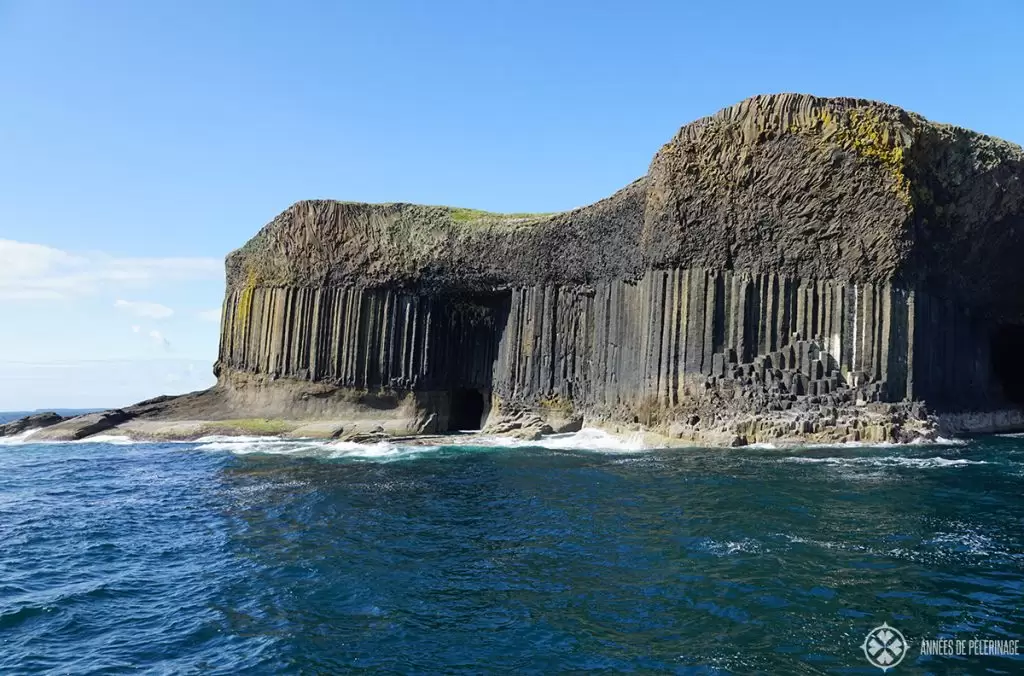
[[467, 410], [1008, 361]]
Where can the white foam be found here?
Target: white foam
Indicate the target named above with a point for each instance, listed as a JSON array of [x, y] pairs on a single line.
[[247, 445], [853, 444], [312, 448], [746, 546], [214, 438], [796, 539], [969, 541], [939, 441], [587, 439], [27, 437], [919, 441], [943, 546], [381, 450], [17, 439], [887, 461]]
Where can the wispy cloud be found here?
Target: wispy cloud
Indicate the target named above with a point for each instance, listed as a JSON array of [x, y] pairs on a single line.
[[209, 315], [37, 272], [144, 309]]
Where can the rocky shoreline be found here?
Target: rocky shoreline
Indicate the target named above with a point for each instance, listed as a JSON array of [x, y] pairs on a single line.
[[813, 423]]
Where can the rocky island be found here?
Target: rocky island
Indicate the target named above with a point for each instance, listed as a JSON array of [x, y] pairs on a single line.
[[790, 269]]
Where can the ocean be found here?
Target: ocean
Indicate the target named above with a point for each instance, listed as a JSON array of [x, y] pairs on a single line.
[[583, 552]]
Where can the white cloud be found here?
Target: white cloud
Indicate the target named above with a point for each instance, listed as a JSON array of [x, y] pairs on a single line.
[[38, 272], [143, 309], [210, 315]]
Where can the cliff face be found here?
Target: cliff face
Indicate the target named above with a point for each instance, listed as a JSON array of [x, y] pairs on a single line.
[[788, 252]]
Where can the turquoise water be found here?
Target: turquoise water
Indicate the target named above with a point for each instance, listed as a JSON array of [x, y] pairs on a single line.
[[590, 554]]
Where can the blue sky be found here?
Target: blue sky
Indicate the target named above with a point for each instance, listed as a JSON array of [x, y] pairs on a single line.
[[142, 141]]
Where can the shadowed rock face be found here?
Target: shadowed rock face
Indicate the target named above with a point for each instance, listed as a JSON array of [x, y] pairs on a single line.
[[30, 422], [788, 252]]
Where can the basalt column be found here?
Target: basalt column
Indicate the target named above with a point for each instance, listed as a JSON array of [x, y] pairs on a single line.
[[614, 344], [365, 339]]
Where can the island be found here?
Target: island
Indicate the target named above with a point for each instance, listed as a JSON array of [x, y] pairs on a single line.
[[791, 269]]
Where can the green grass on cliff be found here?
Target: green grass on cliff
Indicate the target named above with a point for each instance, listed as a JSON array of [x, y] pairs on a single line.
[[462, 215]]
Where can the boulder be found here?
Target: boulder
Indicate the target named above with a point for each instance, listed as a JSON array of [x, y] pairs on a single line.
[[30, 422], [80, 427]]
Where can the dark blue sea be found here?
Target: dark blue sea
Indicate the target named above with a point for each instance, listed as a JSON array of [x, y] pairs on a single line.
[[587, 554]]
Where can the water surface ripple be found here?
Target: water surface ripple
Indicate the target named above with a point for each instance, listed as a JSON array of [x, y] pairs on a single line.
[[303, 557]]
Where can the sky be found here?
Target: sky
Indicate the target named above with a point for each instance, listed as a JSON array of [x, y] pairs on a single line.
[[140, 142]]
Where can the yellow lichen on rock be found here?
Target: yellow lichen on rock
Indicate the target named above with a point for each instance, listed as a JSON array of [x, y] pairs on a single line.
[[872, 137], [245, 300], [864, 132]]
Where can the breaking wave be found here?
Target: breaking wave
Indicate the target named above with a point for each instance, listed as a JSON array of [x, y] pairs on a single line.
[[939, 441], [328, 450], [384, 451], [27, 437], [17, 439]]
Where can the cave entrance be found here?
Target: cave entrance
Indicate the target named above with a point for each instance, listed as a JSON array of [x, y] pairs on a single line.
[[1008, 361], [467, 410]]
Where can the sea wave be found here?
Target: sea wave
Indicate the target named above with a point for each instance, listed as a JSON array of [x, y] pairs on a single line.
[[886, 461], [587, 439], [330, 450], [919, 441], [961, 546], [227, 438], [17, 439], [939, 441], [28, 437], [591, 440]]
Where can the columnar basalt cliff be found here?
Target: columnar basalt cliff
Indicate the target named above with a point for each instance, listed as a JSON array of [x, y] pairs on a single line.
[[790, 268], [788, 254]]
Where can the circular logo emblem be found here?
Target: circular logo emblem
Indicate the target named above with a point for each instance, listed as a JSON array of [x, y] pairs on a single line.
[[885, 647]]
